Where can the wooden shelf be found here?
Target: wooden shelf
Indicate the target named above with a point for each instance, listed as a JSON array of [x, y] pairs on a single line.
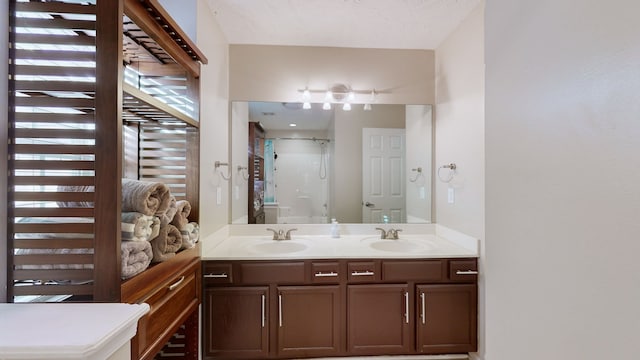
[[139, 106]]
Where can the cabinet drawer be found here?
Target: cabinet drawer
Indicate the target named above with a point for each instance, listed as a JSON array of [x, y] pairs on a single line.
[[272, 272], [325, 272], [463, 270], [217, 273], [170, 305], [363, 271], [420, 270]]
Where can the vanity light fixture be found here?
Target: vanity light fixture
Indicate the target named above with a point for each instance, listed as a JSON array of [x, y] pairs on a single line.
[[340, 94], [293, 125]]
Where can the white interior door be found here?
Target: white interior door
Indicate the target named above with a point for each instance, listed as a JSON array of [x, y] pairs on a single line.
[[383, 179]]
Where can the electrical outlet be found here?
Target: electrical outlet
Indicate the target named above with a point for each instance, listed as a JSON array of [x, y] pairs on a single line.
[[218, 195], [451, 196]]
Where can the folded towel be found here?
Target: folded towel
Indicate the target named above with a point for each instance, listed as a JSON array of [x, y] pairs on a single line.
[[167, 217], [139, 227], [190, 235], [136, 257], [181, 218], [166, 244], [148, 198]]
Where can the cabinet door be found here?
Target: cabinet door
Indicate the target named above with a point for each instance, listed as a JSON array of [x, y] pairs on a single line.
[[236, 322], [379, 320], [309, 321], [447, 318]]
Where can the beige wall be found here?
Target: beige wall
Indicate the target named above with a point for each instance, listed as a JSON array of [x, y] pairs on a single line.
[[214, 121], [276, 73], [347, 165], [562, 175], [459, 136]]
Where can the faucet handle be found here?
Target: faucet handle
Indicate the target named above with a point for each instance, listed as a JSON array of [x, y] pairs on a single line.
[[393, 233], [288, 236], [276, 233], [383, 233]]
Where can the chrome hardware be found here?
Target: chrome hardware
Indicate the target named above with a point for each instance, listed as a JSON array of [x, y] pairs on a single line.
[[329, 274], [391, 234], [362, 273], [264, 299], [280, 310], [466, 272], [406, 306], [216, 276], [176, 284], [280, 234], [369, 205], [424, 308]]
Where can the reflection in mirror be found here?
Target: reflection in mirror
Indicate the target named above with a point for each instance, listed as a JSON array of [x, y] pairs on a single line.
[[358, 166]]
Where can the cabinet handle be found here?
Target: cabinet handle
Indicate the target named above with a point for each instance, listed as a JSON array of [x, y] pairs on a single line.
[[466, 272], [327, 274], [280, 310], [177, 283], [424, 308], [406, 307], [216, 276], [362, 273], [264, 299]]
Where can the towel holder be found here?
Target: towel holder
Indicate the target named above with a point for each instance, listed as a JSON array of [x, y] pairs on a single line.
[[452, 170], [217, 165]]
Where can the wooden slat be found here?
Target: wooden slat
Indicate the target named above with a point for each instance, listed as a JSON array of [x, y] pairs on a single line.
[[160, 153], [67, 274], [163, 145], [167, 181], [50, 101], [55, 118], [53, 290], [55, 7], [54, 164], [152, 162], [53, 196], [53, 259], [55, 55], [148, 99], [80, 39], [55, 133], [60, 243], [55, 71], [54, 212], [168, 137], [54, 149], [56, 23], [153, 171], [77, 86], [55, 180], [54, 228]]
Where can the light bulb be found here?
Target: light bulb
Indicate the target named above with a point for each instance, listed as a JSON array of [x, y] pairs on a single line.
[[351, 96], [326, 106], [306, 105], [328, 96], [346, 107], [367, 107], [306, 94]]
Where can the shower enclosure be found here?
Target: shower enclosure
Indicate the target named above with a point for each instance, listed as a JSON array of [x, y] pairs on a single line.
[[296, 179]]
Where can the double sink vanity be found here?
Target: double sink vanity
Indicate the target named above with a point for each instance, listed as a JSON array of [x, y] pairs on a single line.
[[360, 294]]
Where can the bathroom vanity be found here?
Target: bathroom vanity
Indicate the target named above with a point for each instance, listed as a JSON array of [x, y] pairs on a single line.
[[314, 296]]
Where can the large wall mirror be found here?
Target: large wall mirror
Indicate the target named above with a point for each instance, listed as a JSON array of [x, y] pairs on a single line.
[[365, 165]]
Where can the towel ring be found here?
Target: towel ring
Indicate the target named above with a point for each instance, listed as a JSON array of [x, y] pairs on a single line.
[[218, 164], [452, 170]]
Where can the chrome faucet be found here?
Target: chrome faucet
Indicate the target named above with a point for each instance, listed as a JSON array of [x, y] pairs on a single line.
[[391, 234], [280, 234]]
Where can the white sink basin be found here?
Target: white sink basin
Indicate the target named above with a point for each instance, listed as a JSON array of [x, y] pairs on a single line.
[[278, 247]]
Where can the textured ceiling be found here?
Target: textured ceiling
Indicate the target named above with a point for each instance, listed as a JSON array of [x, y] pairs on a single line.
[[384, 24]]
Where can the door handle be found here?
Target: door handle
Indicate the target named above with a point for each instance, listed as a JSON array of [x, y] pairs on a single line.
[[369, 205]]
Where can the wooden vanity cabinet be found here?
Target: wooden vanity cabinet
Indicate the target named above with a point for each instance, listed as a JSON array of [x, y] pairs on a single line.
[[322, 308], [235, 322], [379, 319]]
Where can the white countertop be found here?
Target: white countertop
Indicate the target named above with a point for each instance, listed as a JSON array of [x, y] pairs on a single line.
[[66, 330], [254, 242]]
